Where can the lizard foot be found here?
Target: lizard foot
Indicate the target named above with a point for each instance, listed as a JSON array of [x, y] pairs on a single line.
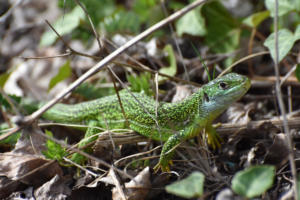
[[164, 167], [213, 138]]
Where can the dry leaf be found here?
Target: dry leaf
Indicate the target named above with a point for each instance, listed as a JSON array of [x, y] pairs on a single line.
[[137, 188], [56, 188]]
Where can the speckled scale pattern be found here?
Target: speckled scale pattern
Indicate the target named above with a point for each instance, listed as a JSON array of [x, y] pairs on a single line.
[[170, 116], [176, 122]]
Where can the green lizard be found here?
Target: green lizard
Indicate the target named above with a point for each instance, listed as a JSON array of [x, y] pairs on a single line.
[[170, 122]]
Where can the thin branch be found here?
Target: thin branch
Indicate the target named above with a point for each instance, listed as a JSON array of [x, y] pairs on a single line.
[[47, 57], [242, 60], [223, 129], [67, 45], [282, 106]]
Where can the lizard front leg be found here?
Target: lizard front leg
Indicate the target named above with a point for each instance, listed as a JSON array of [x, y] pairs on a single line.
[[172, 142], [88, 138]]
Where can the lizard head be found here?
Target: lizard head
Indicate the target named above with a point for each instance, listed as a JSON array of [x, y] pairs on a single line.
[[220, 93]]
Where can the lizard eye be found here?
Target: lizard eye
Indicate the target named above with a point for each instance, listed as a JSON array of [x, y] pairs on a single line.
[[223, 85]]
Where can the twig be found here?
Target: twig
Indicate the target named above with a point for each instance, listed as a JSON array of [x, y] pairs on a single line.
[[288, 75], [67, 45], [47, 57], [242, 60], [282, 106], [223, 129]]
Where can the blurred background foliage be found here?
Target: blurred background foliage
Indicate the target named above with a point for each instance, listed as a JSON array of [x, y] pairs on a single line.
[[222, 29]]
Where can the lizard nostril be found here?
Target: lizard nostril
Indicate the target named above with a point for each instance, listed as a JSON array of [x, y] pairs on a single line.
[[206, 98]]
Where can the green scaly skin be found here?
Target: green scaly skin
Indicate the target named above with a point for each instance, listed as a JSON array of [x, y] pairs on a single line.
[[175, 122]]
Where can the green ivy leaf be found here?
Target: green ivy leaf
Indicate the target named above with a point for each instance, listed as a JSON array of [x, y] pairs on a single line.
[[191, 23], [63, 73], [284, 6], [172, 68], [64, 25], [253, 181], [190, 187], [286, 40]]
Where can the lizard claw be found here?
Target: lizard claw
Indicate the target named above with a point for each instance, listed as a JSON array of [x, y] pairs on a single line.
[[213, 138]]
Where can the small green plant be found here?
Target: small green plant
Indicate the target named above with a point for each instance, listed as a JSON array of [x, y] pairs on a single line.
[[141, 83], [54, 151]]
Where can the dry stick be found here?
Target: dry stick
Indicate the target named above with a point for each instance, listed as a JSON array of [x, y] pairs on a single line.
[[67, 45], [270, 80], [91, 22], [29, 119], [288, 75], [282, 106], [242, 60], [47, 57], [223, 129], [228, 128]]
